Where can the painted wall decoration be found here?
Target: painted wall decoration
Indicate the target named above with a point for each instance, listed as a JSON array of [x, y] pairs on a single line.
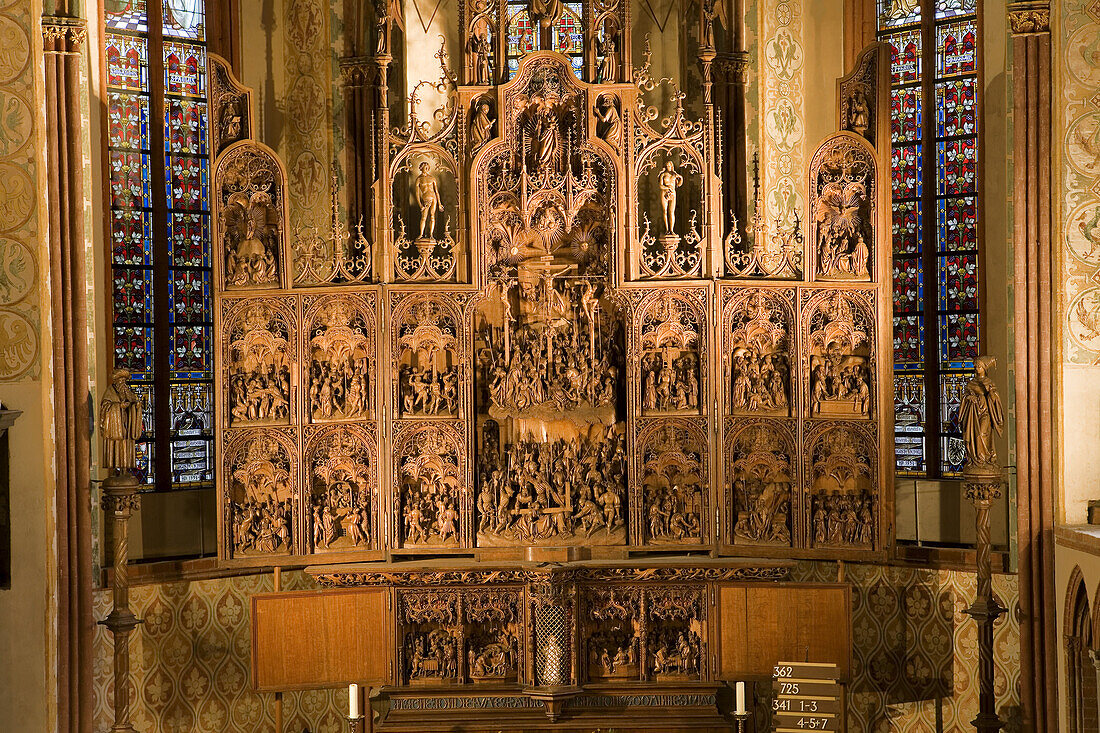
[[782, 123], [1080, 190], [19, 228]]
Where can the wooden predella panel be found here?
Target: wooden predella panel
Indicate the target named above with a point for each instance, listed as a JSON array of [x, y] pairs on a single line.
[[759, 625], [318, 639]]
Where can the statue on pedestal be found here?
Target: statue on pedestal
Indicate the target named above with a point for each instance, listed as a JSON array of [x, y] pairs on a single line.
[[980, 416], [427, 197], [669, 180], [120, 421]]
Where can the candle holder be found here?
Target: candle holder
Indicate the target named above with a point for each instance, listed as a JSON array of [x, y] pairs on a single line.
[[742, 719], [355, 725]]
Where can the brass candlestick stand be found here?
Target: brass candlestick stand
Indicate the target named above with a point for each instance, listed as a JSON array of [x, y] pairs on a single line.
[[742, 719], [355, 725], [120, 422], [980, 416]]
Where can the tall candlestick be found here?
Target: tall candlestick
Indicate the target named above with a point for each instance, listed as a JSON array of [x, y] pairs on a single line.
[[740, 699], [353, 701]]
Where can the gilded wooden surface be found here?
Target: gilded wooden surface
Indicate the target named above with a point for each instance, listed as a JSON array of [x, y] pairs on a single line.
[[548, 342]]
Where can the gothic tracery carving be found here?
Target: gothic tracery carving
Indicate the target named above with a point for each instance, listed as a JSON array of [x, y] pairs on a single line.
[[251, 215], [843, 201], [839, 327], [259, 353]]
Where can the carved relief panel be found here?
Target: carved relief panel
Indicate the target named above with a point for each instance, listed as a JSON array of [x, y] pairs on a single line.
[[763, 501], [546, 191], [430, 648], [758, 351], [673, 482], [230, 105], [260, 496], [259, 361], [427, 354], [430, 491], [844, 205], [669, 345], [675, 633], [249, 210], [838, 353], [340, 371], [341, 482], [842, 476], [613, 634]]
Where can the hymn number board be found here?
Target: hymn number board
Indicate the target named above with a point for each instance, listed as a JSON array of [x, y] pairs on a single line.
[[807, 697]]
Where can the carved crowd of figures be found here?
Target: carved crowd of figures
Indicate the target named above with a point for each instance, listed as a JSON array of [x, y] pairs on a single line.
[[536, 491], [262, 526], [339, 390], [260, 395], [843, 520], [537, 332], [759, 381]]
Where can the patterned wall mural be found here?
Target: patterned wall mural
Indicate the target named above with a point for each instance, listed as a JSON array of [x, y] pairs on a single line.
[[782, 124], [1080, 205], [912, 643], [19, 306]]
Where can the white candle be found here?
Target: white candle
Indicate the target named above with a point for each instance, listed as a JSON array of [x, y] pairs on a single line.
[[353, 701], [740, 699]]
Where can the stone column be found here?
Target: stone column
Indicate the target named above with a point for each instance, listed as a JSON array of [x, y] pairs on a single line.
[[1033, 316], [63, 37]]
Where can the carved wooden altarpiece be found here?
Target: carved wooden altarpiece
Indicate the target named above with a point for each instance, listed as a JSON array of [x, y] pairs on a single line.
[[547, 342]]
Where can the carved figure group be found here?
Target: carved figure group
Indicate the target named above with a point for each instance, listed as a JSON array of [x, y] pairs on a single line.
[[340, 389], [493, 657], [539, 491], [431, 655], [675, 653], [841, 380], [673, 512], [425, 392], [669, 386], [762, 510], [331, 521], [260, 395], [841, 215], [262, 526], [613, 653], [430, 518], [252, 231], [843, 520], [758, 381]]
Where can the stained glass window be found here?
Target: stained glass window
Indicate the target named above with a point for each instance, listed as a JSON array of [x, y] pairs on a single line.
[[935, 229], [160, 230], [526, 35]]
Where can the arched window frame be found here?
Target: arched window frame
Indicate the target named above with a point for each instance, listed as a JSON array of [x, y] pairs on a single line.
[[937, 228], [157, 229]]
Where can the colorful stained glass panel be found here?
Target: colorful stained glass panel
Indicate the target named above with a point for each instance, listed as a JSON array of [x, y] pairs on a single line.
[[955, 107], [129, 180], [189, 298], [187, 183], [134, 350], [909, 422], [906, 174], [186, 126], [133, 295], [956, 51], [188, 237], [907, 228], [189, 357], [127, 121], [957, 223], [131, 238], [908, 288], [951, 8], [125, 15], [908, 342], [127, 62], [958, 282], [905, 56], [905, 114], [894, 13], [184, 69], [956, 166], [958, 340], [184, 19]]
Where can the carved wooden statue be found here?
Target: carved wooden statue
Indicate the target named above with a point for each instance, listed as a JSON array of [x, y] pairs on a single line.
[[980, 416], [120, 421]]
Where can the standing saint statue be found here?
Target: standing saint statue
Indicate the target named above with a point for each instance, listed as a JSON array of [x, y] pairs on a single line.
[[610, 128], [980, 416], [120, 421], [427, 197], [481, 127], [546, 139], [669, 180], [608, 45], [480, 48]]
